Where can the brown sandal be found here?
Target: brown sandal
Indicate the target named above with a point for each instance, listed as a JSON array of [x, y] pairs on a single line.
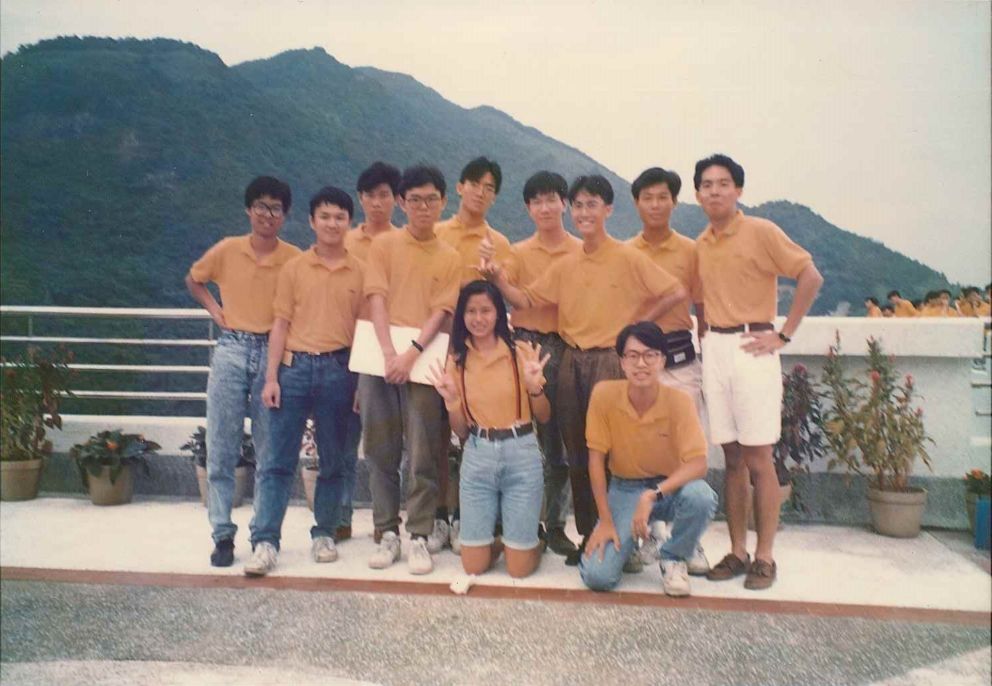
[[761, 575]]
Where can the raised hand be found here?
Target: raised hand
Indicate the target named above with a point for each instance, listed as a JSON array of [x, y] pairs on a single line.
[[533, 367], [444, 383]]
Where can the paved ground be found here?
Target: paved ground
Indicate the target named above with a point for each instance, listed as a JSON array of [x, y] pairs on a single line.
[[298, 637], [125, 596]]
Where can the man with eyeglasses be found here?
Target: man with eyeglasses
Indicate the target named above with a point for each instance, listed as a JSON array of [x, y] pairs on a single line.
[[657, 459], [245, 270], [470, 234], [411, 280], [598, 291], [740, 260]]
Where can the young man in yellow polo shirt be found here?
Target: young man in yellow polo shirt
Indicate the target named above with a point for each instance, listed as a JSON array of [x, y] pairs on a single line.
[[598, 291], [377, 189], [656, 193], [412, 279], [468, 232], [657, 459], [316, 305], [902, 307], [245, 270], [740, 260], [871, 308], [545, 194]]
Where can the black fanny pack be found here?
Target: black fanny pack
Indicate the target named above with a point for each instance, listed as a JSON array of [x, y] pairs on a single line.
[[679, 347]]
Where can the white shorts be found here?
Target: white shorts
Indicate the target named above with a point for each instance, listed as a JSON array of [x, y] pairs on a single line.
[[743, 392]]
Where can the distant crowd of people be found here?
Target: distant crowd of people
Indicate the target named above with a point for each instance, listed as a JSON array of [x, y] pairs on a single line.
[[970, 303]]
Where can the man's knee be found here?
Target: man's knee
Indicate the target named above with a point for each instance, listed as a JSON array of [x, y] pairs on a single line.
[[598, 576], [698, 499]]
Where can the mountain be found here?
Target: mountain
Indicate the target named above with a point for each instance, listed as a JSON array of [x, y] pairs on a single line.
[[122, 160]]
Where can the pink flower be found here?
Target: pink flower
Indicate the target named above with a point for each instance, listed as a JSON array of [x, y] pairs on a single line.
[[909, 380], [875, 377], [800, 369]]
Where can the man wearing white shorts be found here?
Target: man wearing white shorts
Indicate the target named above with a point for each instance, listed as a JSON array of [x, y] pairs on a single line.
[[740, 260]]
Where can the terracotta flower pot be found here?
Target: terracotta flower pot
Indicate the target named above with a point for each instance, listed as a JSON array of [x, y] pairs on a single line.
[[897, 513], [241, 475], [19, 479], [102, 492], [785, 493]]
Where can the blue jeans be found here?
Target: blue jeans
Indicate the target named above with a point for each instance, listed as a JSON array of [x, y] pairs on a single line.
[[689, 510], [320, 386], [501, 479], [234, 391]]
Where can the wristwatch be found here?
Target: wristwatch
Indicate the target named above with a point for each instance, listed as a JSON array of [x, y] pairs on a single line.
[[784, 338], [658, 496]]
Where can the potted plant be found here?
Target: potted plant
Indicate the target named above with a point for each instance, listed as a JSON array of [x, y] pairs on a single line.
[[802, 440], [309, 468], [105, 461], [874, 429], [977, 486], [32, 388], [197, 447]]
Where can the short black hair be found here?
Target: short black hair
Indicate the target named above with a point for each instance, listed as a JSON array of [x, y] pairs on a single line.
[[891, 293], [719, 160], [593, 184], [872, 300], [377, 174], [930, 295], [270, 186], [545, 182], [422, 175], [944, 290], [331, 195], [968, 290], [888, 308], [646, 332], [654, 176], [477, 168]]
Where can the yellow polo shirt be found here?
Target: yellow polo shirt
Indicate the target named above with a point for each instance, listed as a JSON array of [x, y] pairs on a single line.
[[247, 284], [643, 446], [904, 308], [415, 277], [530, 258], [488, 394], [466, 242], [740, 267], [677, 256], [321, 302], [599, 293], [358, 243]]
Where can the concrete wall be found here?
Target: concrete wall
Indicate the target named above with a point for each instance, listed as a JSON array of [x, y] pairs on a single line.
[[938, 353]]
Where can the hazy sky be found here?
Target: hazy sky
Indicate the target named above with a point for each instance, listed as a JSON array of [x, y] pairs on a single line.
[[875, 114]]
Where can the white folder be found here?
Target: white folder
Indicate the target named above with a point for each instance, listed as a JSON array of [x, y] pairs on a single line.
[[367, 358]]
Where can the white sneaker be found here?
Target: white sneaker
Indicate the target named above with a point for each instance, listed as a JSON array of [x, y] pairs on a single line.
[[439, 537], [323, 549], [456, 537], [387, 553], [418, 559], [675, 577], [698, 565], [263, 560]]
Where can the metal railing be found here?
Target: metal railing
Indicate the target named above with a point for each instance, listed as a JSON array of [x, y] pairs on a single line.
[[29, 313]]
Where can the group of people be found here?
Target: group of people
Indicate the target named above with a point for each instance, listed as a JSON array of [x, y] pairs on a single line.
[[969, 303], [591, 384]]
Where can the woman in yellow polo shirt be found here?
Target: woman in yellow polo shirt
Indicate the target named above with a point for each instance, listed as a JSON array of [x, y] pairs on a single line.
[[492, 390]]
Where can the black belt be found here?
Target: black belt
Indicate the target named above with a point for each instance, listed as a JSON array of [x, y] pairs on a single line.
[[757, 326], [502, 434], [337, 354]]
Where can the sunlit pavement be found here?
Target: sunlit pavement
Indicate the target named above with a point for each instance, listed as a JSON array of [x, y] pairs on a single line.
[[126, 595]]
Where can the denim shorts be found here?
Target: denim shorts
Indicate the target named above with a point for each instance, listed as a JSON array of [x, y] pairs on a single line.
[[501, 479]]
